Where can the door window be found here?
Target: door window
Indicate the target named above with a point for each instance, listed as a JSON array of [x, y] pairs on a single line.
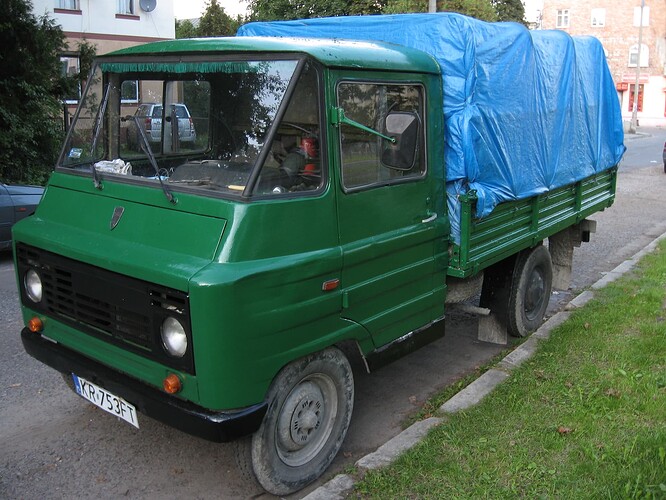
[[381, 137]]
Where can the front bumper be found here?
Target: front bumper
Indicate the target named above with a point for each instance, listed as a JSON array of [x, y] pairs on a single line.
[[183, 415]]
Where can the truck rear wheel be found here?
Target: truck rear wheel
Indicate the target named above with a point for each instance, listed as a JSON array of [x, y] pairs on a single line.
[[531, 285], [309, 410]]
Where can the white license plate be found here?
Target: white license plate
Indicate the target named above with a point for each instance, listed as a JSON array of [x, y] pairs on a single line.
[[106, 401]]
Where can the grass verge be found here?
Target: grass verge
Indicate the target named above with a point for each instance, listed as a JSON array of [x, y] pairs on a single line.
[[584, 418]]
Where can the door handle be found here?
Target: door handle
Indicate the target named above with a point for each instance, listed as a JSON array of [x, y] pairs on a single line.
[[429, 219]]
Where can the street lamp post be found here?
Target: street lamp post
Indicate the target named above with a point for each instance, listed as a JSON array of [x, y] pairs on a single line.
[[634, 113], [432, 5]]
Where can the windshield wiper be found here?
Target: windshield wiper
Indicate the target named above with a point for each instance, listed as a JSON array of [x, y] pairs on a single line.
[[97, 182], [145, 147]]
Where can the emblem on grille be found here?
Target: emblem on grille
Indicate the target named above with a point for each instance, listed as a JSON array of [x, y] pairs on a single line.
[[115, 218]]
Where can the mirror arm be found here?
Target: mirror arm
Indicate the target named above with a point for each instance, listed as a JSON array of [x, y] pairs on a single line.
[[338, 117]]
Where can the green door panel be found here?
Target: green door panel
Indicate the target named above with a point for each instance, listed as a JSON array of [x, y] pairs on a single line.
[[388, 255], [390, 231]]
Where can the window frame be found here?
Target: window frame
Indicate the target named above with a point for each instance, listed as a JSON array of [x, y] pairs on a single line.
[[632, 96], [63, 5], [129, 11], [137, 98], [645, 21], [422, 143], [76, 58], [598, 15], [642, 56], [562, 18]]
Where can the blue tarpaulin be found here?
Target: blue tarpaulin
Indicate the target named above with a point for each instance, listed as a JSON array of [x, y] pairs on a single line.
[[525, 111]]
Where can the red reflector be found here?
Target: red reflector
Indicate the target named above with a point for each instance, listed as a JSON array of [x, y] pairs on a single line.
[[330, 285], [35, 325], [172, 384]]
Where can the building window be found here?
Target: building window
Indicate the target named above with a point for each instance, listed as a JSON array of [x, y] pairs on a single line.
[[129, 91], [562, 18], [637, 16], [126, 7], [598, 18], [632, 91], [70, 69], [68, 4], [633, 56]]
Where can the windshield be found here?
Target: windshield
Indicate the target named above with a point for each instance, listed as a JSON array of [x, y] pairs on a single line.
[[209, 126]]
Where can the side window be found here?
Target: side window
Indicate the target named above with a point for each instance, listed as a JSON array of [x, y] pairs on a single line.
[[381, 135], [294, 161]]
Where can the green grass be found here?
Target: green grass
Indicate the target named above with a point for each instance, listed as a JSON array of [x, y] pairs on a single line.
[[584, 418]]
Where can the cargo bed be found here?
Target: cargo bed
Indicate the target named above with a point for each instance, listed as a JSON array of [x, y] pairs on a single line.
[[515, 225]]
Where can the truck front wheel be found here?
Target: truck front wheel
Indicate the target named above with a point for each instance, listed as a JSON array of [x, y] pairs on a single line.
[[531, 284], [310, 406]]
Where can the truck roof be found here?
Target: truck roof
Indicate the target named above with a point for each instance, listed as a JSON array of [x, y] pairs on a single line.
[[330, 52]]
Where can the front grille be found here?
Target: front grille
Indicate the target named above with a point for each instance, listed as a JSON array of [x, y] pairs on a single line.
[[121, 310]]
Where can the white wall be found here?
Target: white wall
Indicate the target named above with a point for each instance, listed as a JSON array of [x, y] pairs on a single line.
[[98, 17]]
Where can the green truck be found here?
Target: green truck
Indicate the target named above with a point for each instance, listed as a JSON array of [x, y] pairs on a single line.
[[220, 284]]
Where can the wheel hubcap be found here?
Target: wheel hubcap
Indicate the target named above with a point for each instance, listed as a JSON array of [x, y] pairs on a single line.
[[306, 420]]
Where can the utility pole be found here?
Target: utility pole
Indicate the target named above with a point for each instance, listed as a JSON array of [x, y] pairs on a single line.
[[432, 5], [634, 114]]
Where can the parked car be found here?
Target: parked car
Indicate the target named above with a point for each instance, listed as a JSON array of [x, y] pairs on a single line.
[[663, 157], [16, 202], [150, 117]]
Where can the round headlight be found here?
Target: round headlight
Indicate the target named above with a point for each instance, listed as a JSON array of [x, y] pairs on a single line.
[[174, 337], [33, 286]]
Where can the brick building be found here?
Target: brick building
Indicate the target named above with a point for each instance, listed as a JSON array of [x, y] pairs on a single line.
[[617, 24]]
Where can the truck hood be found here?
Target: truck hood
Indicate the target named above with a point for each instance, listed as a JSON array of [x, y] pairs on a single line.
[[162, 244]]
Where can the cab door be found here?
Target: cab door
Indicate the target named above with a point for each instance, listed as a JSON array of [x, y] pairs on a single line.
[[388, 228]]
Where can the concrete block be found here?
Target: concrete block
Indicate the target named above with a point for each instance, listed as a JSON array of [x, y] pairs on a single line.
[[580, 300], [335, 489], [475, 392], [390, 450], [490, 329]]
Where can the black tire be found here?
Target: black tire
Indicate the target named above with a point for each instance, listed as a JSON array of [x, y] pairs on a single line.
[[310, 407], [531, 285]]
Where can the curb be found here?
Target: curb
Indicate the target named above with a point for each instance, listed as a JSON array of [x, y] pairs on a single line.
[[340, 485]]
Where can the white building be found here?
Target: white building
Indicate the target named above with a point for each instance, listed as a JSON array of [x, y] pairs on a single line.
[[111, 24], [108, 25]]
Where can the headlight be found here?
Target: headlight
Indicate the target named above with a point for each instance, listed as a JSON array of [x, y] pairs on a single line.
[[33, 286], [174, 337]]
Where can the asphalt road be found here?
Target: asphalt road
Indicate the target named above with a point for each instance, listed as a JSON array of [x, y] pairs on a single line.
[[53, 444]]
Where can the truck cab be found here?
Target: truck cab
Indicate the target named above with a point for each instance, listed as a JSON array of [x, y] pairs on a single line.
[[213, 280]]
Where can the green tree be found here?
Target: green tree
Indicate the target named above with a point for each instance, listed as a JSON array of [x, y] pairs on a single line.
[[366, 7], [273, 10], [31, 89], [510, 10], [216, 22], [480, 9], [185, 29], [405, 6]]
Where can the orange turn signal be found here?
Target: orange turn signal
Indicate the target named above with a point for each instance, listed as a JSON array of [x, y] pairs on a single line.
[[35, 325], [172, 384]]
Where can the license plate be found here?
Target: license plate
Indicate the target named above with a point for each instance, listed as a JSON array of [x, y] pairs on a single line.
[[106, 401]]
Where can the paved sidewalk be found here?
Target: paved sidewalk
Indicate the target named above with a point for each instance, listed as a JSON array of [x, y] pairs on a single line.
[[471, 395]]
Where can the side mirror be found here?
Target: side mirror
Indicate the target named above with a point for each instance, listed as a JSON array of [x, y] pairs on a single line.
[[404, 128]]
